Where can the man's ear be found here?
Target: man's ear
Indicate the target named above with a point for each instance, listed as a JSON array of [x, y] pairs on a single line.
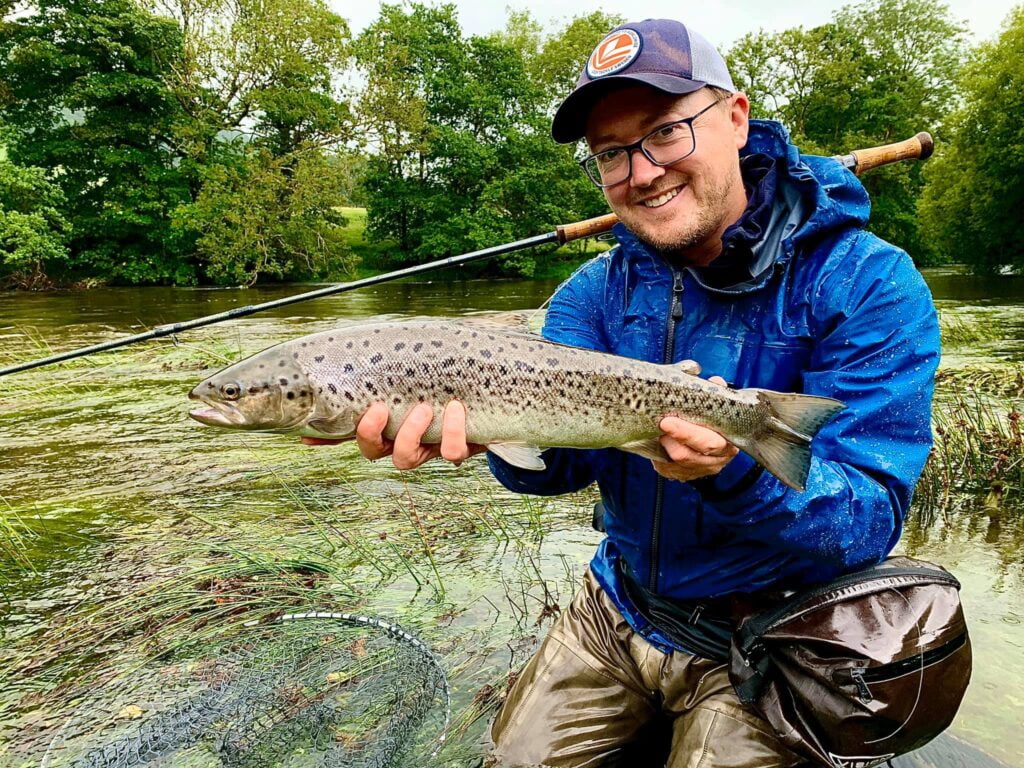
[[740, 115]]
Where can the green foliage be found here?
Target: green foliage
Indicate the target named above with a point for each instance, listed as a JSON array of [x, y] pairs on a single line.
[[467, 161], [972, 205], [880, 72], [269, 215], [33, 233], [86, 102]]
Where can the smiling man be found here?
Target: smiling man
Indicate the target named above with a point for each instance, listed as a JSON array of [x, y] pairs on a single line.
[[736, 251]]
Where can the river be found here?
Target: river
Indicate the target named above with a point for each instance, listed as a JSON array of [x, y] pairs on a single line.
[[107, 487]]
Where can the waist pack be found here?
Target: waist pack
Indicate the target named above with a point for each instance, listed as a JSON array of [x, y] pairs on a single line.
[[855, 672]]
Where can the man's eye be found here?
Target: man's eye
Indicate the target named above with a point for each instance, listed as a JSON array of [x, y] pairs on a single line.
[[610, 157], [669, 132]]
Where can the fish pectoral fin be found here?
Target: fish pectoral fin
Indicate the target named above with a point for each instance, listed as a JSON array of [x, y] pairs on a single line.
[[341, 427], [691, 367], [519, 455], [649, 449]]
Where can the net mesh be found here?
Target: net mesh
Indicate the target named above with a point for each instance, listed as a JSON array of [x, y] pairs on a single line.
[[306, 690]]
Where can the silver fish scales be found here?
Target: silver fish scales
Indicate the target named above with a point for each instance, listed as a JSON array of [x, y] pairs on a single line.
[[522, 393]]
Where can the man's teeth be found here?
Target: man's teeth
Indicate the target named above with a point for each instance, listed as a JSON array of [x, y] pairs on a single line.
[[660, 201]]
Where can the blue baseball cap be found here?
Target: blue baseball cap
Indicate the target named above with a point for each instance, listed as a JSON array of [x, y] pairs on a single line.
[[661, 53]]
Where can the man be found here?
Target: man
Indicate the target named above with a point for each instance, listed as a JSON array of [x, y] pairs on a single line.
[[739, 253]]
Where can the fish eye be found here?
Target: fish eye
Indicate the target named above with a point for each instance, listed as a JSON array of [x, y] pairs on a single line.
[[231, 391]]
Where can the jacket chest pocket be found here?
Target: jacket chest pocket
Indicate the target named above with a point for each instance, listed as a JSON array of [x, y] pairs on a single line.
[[751, 361]]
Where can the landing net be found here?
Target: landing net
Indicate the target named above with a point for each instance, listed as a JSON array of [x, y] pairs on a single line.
[[309, 689]]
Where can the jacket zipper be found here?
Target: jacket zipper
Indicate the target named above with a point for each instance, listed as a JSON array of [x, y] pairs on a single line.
[[861, 676], [674, 315]]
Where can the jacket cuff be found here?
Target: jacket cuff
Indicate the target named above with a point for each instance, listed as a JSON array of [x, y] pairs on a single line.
[[736, 478]]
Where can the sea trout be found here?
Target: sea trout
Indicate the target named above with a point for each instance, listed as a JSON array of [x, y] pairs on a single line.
[[521, 393]]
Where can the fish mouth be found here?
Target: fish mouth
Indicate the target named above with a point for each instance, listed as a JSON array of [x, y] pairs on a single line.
[[216, 414]]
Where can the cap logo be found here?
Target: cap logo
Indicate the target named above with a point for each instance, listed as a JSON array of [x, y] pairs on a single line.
[[614, 53]]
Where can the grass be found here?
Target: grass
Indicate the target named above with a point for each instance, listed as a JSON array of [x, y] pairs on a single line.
[[960, 331]]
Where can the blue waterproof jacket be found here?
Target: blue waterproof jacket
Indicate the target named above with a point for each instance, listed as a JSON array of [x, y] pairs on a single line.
[[830, 310]]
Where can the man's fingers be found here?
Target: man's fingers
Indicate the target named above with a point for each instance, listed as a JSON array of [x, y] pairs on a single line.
[[683, 453], [718, 380], [370, 432], [453, 433], [409, 451], [700, 439]]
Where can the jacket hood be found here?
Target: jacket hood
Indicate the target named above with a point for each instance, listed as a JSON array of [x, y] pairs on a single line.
[[816, 196]]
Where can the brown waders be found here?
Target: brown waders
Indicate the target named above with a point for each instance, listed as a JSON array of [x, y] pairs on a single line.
[[594, 684]]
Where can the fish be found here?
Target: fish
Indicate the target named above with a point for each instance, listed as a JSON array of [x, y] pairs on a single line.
[[522, 394]]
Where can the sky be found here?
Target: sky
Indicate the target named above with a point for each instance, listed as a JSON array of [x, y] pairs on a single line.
[[722, 22]]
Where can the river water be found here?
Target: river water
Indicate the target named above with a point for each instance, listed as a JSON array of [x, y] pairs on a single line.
[[107, 485]]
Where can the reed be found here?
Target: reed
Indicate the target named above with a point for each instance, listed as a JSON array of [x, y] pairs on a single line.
[[978, 453], [959, 331]]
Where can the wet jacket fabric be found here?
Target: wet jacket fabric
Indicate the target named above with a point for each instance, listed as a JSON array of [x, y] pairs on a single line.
[[823, 307]]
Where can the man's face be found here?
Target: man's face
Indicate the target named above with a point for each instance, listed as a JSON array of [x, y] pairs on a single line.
[[685, 206]]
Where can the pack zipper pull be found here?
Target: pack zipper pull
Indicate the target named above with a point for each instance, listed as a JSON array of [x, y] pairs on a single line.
[[677, 295], [857, 675]]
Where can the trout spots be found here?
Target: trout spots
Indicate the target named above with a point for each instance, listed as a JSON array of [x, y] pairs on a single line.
[[330, 338], [396, 401], [305, 344], [366, 343], [376, 330], [410, 371], [349, 368], [464, 344], [376, 358], [318, 359], [349, 397], [399, 346], [333, 389], [282, 381], [295, 355], [437, 343], [290, 395], [485, 354], [417, 346], [281, 364], [552, 361], [348, 345]]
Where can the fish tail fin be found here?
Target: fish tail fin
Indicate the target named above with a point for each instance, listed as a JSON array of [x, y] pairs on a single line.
[[784, 447]]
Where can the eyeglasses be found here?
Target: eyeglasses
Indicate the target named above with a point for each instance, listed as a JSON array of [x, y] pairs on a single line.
[[666, 144]]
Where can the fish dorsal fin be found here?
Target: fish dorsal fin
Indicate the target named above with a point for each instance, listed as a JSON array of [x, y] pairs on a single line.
[[519, 455]]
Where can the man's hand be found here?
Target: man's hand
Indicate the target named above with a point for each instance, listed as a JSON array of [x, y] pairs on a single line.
[[407, 451], [695, 451]]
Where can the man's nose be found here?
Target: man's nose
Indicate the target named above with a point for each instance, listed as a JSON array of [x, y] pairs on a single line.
[[644, 171]]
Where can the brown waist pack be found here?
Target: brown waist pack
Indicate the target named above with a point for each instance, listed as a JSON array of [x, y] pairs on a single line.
[[862, 669]]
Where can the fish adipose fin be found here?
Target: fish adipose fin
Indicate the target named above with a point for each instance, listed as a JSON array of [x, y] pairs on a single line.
[[784, 448], [649, 449], [519, 455]]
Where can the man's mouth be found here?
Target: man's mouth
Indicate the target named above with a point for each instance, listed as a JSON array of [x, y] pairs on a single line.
[[663, 198]]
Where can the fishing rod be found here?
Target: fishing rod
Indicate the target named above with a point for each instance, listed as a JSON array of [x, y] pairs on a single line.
[[859, 161]]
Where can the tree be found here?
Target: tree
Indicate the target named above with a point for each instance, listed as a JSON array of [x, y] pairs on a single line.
[[86, 102], [461, 131], [971, 207], [33, 233], [879, 72], [269, 216]]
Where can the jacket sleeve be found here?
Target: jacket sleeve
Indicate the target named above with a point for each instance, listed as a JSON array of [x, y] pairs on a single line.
[[574, 319], [877, 350]]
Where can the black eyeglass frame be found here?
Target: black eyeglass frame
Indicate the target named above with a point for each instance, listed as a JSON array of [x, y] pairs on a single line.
[[629, 149]]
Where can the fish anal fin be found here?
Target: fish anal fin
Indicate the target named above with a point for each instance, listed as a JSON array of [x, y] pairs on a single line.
[[519, 455], [650, 448]]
